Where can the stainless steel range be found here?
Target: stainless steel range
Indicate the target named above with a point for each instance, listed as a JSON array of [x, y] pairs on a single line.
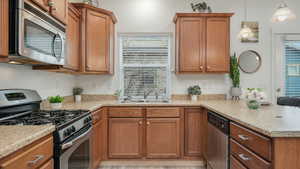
[[72, 138]]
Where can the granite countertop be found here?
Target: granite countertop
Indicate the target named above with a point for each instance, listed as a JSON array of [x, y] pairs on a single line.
[[273, 120], [16, 137]]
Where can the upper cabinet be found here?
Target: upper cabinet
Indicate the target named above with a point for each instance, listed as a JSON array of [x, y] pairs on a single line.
[[59, 9], [202, 42], [97, 39], [44, 4], [3, 30]]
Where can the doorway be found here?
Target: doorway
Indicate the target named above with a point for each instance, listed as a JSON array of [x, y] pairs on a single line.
[[286, 65]]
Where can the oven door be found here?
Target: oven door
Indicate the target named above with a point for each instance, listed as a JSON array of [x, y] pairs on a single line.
[[77, 151], [42, 40]]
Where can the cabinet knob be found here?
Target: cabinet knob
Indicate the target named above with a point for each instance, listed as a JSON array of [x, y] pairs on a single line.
[[201, 68], [208, 67], [148, 123], [140, 122]]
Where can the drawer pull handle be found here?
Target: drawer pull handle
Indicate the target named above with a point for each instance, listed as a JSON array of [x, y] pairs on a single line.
[[244, 157], [36, 160], [243, 137]]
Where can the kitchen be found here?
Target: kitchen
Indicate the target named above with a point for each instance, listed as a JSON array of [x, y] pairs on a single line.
[[133, 75]]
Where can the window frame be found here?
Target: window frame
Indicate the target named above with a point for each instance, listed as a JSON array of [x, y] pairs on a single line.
[[122, 65]]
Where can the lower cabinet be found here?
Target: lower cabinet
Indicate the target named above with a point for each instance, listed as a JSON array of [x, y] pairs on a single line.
[[37, 155], [163, 138], [235, 164], [194, 128], [152, 135], [126, 138], [99, 138]]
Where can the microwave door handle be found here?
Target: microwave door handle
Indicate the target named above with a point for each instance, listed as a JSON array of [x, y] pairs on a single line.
[[70, 143], [53, 47]]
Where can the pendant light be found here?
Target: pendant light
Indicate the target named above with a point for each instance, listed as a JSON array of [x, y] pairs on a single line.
[[245, 32], [283, 13]]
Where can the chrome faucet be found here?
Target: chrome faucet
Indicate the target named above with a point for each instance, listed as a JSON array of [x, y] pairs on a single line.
[[146, 94]]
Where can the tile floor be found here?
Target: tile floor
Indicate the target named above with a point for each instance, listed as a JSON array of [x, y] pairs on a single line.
[[152, 165]]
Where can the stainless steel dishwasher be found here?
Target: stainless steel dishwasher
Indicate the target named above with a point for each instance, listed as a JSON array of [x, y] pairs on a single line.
[[217, 142]]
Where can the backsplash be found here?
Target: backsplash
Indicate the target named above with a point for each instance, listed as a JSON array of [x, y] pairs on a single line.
[[46, 83]]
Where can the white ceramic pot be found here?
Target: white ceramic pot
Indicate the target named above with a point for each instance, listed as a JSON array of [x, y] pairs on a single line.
[[56, 105], [77, 98], [194, 98], [236, 91]]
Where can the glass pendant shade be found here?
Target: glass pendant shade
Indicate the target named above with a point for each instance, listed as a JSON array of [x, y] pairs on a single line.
[[283, 13], [246, 32]]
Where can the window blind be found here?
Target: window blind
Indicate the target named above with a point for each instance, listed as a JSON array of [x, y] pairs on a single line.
[[292, 63], [145, 65]]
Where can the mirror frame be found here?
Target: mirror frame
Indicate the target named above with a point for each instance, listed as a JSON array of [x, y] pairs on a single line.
[[260, 61]]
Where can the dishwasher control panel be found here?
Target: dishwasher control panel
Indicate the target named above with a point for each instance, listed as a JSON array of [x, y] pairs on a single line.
[[219, 122]]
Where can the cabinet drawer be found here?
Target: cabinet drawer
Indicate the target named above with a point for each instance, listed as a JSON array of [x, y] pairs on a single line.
[[163, 112], [254, 141], [248, 158], [48, 165], [126, 112], [98, 115], [31, 158], [235, 164]]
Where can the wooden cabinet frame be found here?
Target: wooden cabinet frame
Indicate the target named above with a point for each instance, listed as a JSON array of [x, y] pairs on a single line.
[[199, 53], [4, 26]]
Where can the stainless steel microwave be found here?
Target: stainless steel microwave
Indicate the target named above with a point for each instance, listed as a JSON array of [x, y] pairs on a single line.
[[35, 37]]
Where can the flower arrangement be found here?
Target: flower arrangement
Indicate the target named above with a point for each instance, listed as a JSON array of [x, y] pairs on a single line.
[[255, 96]]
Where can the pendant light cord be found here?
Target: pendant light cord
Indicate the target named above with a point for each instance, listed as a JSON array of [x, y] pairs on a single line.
[[246, 9]]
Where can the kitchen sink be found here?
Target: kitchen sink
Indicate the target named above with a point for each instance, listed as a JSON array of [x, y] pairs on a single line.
[[145, 101]]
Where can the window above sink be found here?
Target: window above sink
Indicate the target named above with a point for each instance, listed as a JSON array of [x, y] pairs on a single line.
[[145, 66]]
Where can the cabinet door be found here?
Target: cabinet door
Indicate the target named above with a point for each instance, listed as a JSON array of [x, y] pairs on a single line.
[[97, 42], [73, 38], [96, 139], [193, 132], [125, 137], [59, 10], [191, 44], [3, 29], [217, 54], [163, 138], [44, 4]]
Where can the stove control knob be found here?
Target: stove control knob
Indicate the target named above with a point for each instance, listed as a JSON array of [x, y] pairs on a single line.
[[73, 128], [65, 133]]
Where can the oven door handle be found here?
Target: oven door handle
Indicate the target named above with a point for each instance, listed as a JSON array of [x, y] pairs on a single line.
[[70, 143]]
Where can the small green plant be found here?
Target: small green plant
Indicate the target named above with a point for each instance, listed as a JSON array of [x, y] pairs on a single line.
[[77, 91], [56, 99], [194, 90], [118, 93], [234, 71]]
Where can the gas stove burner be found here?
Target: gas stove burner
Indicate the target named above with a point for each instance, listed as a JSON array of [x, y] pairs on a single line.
[[28, 120]]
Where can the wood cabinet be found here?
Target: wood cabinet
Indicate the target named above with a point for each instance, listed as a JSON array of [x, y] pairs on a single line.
[[194, 132], [163, 138], [4, 26], [151, 133], [36, 155], [73, 39], [97, 37], [202, 42], [126, 138], [235, 164], [99, 137], [44, 4], [59, 9]]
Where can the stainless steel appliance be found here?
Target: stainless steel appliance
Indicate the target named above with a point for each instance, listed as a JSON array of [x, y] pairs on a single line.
[[35, 37], [218, 142], [72, 137]]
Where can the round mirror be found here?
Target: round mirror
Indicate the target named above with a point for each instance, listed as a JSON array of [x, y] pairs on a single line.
[[249, 61]]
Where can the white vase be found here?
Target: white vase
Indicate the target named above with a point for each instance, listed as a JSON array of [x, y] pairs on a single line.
[[77, 98], [194, 98], [56, 105]]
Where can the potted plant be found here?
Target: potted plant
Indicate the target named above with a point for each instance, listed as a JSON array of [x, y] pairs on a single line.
[[194, 92], [56, 101], [77, 91], [118, 93], [235, 90]]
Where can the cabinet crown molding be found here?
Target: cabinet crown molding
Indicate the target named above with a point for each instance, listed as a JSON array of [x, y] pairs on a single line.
[[178, 15]]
